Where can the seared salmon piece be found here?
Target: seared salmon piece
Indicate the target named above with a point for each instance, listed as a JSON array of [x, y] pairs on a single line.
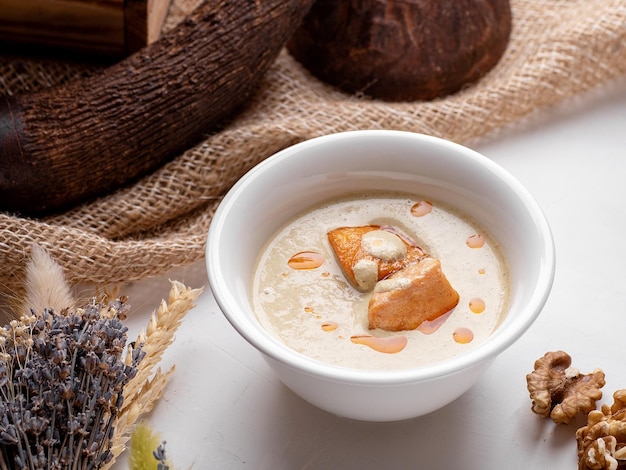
[[353, 248], [419, 292]]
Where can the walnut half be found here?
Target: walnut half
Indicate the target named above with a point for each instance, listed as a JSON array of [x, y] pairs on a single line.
[[602, 442], [560, 391]]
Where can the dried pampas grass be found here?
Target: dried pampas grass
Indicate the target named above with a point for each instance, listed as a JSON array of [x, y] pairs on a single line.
[[45, 285]]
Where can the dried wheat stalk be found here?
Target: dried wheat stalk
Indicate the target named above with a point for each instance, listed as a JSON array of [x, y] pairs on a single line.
[[143, 391]]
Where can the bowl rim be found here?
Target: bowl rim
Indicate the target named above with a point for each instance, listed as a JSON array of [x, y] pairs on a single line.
[[496, 343]]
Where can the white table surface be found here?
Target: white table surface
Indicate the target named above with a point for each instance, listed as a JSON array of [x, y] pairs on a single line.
[[224, 409]]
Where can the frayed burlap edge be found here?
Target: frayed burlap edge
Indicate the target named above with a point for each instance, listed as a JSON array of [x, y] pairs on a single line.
[[558, 50]]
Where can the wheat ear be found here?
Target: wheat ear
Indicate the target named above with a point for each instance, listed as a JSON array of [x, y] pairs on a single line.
[[143, 391]]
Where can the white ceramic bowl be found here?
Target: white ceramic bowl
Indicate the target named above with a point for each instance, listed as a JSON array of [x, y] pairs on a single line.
[[296, 178]]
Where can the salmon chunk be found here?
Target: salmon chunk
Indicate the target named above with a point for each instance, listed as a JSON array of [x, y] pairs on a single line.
[[419, 292], [369, 253]]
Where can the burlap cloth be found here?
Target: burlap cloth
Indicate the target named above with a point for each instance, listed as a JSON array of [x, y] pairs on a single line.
[[559, 49]]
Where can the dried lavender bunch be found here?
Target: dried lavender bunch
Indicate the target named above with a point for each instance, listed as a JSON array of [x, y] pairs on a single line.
[[61, 382]]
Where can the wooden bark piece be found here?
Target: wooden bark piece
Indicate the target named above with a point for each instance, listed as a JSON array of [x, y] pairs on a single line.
[[402, 50], [67, 145]]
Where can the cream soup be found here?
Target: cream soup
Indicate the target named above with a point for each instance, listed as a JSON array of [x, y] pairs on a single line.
[[301, 296]]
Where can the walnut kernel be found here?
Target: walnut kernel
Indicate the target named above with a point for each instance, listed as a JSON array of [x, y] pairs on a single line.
[[560, 391], [602, 442]]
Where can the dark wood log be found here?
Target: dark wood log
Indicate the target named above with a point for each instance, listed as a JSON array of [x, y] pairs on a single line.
[[96, 27], [72, 143], [98, 30], [402, 50]]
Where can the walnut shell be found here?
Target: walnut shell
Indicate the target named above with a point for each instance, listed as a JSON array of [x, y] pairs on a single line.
[[402, 50]]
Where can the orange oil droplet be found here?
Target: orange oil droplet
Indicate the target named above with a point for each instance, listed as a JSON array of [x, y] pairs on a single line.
[[329, 326], [388, 345], [421, 208], [475, 241], [309, 309], [428, 327], [325, 274], [477, 305], [482, 271], [463, 335], [305, 260]]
